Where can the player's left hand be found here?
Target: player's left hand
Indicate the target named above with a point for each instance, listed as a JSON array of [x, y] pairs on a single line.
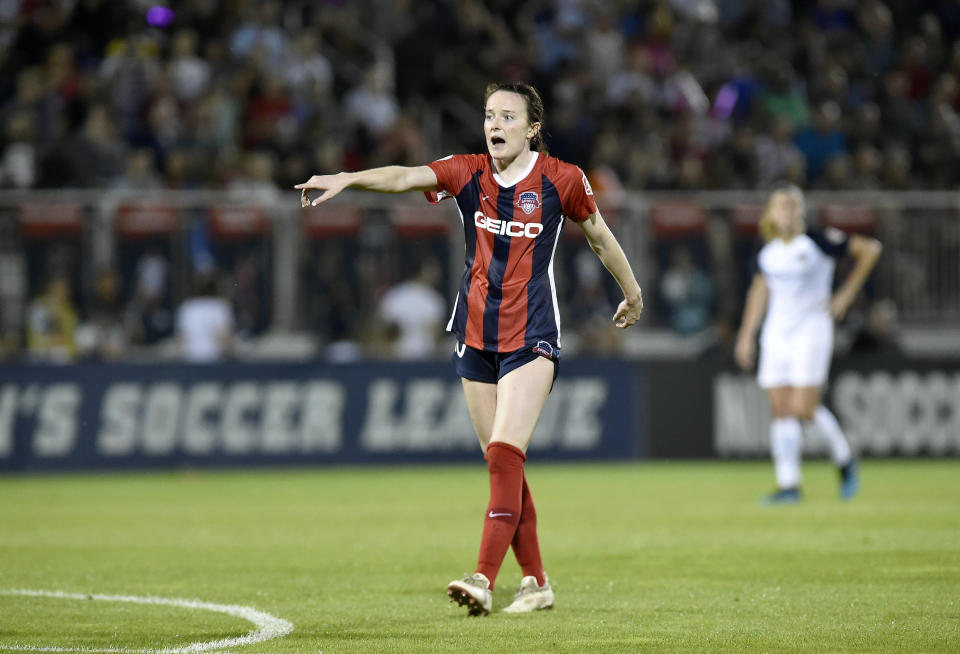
[[628, 312]]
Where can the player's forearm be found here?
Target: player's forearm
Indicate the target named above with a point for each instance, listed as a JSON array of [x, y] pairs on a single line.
[[388, 179], [866, 259], [615, 261], [756, 306]]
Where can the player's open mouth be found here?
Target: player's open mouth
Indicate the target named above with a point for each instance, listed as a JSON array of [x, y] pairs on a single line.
[[497, 140]]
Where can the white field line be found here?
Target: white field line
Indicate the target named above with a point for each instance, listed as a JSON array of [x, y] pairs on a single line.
[[267, 626]]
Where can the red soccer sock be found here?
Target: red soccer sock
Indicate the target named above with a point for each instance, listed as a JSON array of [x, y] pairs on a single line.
[[525, 545], [505, 463]]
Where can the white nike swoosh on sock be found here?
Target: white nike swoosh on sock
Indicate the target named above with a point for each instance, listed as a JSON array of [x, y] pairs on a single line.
[[491, 514]]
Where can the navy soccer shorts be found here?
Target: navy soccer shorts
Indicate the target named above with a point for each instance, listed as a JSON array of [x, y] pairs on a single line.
[[489, 367]]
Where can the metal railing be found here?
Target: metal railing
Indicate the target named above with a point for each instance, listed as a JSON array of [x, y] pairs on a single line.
[[374, 236]]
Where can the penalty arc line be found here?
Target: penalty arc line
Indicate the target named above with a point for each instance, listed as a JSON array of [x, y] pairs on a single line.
[[267, 626]]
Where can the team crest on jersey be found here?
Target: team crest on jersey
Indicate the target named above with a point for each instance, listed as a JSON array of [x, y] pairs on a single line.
[[529, 201]]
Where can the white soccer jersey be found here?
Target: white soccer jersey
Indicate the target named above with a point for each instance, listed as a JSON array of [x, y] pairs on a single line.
[[799, 275], [796, 343]]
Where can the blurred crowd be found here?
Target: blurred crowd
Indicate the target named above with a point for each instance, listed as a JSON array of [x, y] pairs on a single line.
[[653, 94], [644, 95]]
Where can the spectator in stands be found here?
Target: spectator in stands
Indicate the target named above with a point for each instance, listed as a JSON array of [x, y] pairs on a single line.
[[865, 126], [867, 164], [128, 71], [104, 335], [310, 73], [33, 97], [898, 169], [260, 39], [269, 115], [256, 179], [901, 118], [215, 120], [687, 293], [18, 162], [822, 139], [150, 316], [775, 152], [371, 105], [140, 173], [189, 73], [205, 322], [98, 155], [837, 174], [51, 323], [417, 311]]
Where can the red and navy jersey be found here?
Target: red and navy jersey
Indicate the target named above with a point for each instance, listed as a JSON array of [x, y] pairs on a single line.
[[508, 298]]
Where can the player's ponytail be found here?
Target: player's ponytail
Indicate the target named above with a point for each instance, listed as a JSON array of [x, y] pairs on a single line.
[[534, 107]]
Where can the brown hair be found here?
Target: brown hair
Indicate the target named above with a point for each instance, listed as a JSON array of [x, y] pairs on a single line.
[[534, 107], [767, 228]]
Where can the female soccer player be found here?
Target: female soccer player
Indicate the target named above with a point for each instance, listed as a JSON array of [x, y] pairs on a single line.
[[512, 201], [795, 273]]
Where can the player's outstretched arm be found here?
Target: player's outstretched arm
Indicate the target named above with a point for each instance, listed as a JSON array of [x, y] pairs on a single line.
[[605, 245], [745, 350], [865, 251], [388, 179]]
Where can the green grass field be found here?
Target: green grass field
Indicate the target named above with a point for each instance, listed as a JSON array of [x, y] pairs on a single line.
[[661, 557]]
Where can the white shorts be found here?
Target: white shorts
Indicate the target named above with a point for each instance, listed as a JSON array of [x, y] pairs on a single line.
[[800, 357]]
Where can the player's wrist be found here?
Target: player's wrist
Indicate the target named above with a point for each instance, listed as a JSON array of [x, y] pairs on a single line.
[[633, 295]]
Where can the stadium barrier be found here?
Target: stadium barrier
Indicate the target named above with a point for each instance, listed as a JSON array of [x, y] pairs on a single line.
[[98, 416], [889, 404], [94, 230], [132, 416]]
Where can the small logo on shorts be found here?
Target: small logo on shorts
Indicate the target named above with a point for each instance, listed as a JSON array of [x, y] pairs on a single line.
[[529, 201], [460, 349], [544, 349]]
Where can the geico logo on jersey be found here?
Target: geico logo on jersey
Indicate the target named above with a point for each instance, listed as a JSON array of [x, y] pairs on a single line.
[[510, 228]]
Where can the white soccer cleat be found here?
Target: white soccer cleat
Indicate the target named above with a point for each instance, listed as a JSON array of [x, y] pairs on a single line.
[[531, 597], [472, 591]]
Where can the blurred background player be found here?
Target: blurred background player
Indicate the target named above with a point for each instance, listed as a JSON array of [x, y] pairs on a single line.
[[791, 294], [505, 316]]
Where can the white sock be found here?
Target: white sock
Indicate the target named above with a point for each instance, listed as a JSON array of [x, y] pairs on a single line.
[[785, 435], [831, 432]]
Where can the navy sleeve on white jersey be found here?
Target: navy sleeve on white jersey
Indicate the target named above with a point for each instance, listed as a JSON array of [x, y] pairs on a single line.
[[755, 269], [832, 241]]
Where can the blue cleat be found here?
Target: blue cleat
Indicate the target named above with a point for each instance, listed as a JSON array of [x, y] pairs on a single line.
[[782, 496], [849, 480]]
